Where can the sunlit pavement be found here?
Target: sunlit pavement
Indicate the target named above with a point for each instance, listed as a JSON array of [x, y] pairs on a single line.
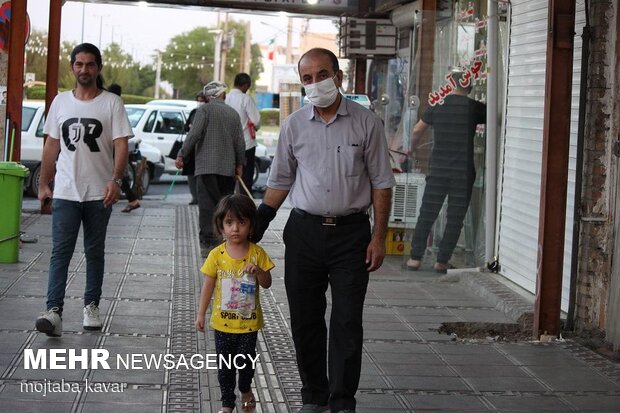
[[148, 307]]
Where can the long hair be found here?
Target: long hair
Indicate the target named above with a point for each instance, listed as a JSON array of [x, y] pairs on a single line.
[[91, 49]]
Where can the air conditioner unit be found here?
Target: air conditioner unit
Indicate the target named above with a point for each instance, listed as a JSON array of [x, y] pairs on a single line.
[[407, 199]]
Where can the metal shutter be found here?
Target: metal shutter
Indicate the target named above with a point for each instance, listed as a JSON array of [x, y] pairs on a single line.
[[520, 197]]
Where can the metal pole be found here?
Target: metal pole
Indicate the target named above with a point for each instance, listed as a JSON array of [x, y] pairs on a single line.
[[157, 75], [83, 12], [490, 178], [15, 79]]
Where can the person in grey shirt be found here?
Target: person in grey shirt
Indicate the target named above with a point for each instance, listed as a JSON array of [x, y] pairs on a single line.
[[332, 162], [217, 138]]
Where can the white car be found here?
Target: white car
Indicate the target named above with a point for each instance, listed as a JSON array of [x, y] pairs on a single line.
[[33, 120], [159, 126], [188, 105]]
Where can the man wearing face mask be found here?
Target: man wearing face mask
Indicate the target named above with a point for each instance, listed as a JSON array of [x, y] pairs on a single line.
[[332, 162]]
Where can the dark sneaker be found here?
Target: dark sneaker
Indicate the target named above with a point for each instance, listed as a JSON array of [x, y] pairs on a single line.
[[91, 317], [50, 323]]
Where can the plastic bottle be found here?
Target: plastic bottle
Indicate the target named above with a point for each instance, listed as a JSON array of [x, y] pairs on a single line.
[[247, 297]]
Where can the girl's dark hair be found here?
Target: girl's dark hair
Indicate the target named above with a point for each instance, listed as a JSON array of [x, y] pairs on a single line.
[[238, 205], [91, 49]]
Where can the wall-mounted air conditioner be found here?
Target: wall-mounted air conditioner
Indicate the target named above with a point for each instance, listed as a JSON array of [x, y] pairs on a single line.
[[407, 199]]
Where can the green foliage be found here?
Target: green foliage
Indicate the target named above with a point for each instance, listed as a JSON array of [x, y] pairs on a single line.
[[136, 99], [270, 117], [187, 61], [35, 93]]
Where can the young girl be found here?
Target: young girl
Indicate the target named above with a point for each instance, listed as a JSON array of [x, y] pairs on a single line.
[[236, 315]]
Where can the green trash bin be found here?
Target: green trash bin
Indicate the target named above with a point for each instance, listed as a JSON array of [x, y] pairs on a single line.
[[12, 176]]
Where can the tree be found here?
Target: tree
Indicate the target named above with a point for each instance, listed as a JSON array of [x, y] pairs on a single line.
[[119, 67], [36, 55], [188, 60]]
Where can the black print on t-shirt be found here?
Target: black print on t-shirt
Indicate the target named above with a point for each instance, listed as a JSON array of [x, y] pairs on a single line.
[[87, 129]]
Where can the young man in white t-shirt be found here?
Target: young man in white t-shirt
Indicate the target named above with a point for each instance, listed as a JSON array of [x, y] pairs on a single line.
[[250, 122], [87, 132]]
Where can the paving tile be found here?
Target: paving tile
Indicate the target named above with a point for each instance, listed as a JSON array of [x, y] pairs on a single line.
[[143, 308], [516, 384], [574, 379], [421, 370], [492, 358], [440, 402], [485, 371], [595, 402], [523, 403], [139, 325], [431, 383]]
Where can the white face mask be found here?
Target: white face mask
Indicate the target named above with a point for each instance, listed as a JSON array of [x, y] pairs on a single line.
[[322, 94]]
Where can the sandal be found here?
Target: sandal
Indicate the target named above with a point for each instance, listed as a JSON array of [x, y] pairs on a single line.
[[130, 207], [408, 267], [248, 402], [441, 268]]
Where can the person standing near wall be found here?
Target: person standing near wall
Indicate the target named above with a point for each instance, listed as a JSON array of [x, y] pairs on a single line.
[[250, 121], [452, 171], [332, 162], [87, 130]]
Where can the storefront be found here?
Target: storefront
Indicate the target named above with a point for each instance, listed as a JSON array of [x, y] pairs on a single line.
[[508, 164]]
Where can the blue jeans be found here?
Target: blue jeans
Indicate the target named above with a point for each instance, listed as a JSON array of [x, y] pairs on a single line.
[[67, 216]]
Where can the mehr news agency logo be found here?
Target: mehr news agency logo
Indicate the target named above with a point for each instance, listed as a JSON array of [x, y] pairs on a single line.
[[83, 359]]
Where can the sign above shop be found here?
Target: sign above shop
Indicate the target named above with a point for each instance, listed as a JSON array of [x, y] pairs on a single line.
[[367, 37]]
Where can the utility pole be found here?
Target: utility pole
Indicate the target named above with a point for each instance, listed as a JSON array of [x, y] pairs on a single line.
[[289, 42], [217, 55], [247, 51], [157, 75], [224, 49]]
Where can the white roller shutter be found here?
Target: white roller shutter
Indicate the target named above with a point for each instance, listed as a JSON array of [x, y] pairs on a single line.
[[520, 197]]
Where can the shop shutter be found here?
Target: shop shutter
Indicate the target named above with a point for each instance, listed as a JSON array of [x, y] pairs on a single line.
[[520, 196]]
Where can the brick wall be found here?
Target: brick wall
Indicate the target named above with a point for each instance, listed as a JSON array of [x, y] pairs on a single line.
[[598, 197]]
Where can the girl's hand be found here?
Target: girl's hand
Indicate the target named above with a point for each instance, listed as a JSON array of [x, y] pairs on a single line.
[[200, 323], [252, 269]]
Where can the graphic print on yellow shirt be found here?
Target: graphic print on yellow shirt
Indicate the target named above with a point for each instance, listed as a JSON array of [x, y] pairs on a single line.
[[228, 273]]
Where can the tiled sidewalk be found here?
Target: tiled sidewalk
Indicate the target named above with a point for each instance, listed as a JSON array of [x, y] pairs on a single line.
[[150, 293]]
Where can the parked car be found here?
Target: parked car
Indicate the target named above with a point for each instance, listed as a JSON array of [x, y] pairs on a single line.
[[33, 120], [159, 126], [188, 105]]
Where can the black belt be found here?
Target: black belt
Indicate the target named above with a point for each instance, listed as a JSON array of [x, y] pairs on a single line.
[[332, 221]]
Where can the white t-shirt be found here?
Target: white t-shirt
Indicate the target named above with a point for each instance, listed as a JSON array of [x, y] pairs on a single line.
[[246, 108], [87, 130]]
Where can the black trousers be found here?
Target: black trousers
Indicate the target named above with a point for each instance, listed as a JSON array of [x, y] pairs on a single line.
[[458, 190], [228, 344], [210, 188], [317, 256], [248, 169]]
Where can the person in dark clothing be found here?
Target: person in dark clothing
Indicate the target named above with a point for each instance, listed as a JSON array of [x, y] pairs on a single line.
[[452, 171], [132, 200], [188, 168]]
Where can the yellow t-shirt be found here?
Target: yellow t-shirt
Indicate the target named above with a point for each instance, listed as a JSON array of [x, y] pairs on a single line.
[[228, 272]]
